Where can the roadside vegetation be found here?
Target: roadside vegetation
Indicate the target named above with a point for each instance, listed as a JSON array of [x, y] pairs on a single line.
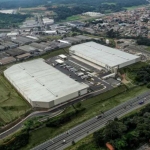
[[127, 133], [139, 73], [90, 108], [12, 105]]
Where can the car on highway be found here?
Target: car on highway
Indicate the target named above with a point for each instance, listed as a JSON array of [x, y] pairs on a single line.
[[64, 141], [141, 102], [98, 117]]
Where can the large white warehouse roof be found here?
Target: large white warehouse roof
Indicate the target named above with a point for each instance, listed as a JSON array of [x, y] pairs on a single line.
[[37, 81], [98, 54]]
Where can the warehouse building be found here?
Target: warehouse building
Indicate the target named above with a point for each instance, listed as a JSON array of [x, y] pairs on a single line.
[[43, 85], [103, 56]]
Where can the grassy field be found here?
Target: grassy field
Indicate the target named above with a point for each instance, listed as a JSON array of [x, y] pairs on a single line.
[[55, 53], [134, 7], [93, 107], [148, 48], [72, 18], [109, 3], [86, 144], [12, 105]]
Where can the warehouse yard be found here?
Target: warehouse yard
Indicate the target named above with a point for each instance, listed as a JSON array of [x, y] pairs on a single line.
[[12, 105]]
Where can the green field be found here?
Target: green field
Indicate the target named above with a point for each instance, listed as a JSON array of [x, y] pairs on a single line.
[[12, 105], [109, 3], [134, 7], [148, 48], [93, 107], [72, 18]]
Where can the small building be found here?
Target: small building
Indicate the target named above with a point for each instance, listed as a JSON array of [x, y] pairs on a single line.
[[21, 40], [63, 56], [12, 34], [59, 61], [47, 21], [23, 56], [41, 46], [50, 32], [28, 48], [15, 52], [75, 24], [10, 45], [7, 60], [2, 48]]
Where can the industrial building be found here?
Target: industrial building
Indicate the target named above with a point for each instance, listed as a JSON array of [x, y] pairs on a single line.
[[47, 21], [103, 56], [42, 85]]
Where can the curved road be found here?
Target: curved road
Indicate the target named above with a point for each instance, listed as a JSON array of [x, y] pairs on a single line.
[[92, 125], [51, 112]]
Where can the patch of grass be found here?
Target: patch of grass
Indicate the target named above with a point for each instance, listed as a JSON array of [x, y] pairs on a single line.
[[133, 7], [109, 3], [72, 18], [12, 105], [93, 106], [148, 48], [55, 53], [85, 144]]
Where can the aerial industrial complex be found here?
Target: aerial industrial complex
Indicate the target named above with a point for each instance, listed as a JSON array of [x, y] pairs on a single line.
[[42, 85], [46, 83]]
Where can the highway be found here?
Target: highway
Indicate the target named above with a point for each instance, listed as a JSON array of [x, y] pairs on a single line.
[[92, 125]]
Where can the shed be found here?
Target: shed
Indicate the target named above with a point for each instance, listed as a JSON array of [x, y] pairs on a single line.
[[63, 56], [7, 60], [59, 61]]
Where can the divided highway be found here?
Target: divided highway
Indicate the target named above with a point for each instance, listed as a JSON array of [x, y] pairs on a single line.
[[75, 134]]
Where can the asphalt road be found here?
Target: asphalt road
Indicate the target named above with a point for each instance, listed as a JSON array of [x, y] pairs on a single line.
[[92, 125], [50, 112]]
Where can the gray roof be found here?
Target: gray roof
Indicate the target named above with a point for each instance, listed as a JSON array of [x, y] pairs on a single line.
[[29, 77], [27, 48], [98, 54]]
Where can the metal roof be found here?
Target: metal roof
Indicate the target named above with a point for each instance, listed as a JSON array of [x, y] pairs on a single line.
[[99, 53], [41, 82]]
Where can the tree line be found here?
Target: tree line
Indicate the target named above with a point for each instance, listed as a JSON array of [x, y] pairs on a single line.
[[11, 20], [143, 41], [127, 133], [87, 5]]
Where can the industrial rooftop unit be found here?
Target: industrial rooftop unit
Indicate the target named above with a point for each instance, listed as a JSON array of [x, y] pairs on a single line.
[[43, 85]]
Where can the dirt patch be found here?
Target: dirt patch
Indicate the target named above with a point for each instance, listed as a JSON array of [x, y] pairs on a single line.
[[124, 80]]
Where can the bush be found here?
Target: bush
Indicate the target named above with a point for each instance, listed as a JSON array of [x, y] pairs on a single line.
[[17, 142], [64, 118], [148, 85]]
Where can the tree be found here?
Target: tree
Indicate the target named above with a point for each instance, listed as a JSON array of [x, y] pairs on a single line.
[[78, 105], [114, 129], [98, 138], [120, 144], [133, 139]]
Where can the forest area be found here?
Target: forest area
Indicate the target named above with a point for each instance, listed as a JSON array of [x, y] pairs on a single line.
[[11, 20], [69, 8]]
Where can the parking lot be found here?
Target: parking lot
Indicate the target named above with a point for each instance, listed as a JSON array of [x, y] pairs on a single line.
[[78, 73]]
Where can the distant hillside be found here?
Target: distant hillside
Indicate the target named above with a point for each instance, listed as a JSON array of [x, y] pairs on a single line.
[[8, 4]]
